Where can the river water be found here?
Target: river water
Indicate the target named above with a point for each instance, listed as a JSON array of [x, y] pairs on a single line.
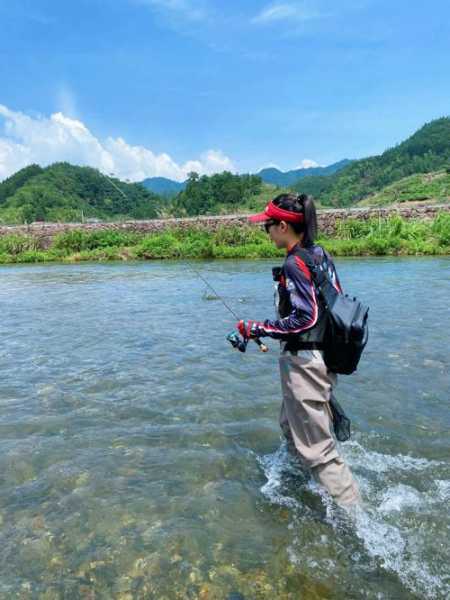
[[141, 456]]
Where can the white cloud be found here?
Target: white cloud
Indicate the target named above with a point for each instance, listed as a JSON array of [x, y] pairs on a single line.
[[307, 163], [45, 140], [286, 11], [182, 8], [269, 166], [212, 161]]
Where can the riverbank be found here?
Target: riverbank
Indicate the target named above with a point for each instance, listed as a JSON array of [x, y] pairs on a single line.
[[392, 235], [329, 221]]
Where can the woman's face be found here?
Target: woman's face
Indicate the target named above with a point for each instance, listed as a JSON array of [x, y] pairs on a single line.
[[279, 233]]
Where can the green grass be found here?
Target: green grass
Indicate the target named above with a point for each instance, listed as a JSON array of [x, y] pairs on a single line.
[[427, 187], [390, 236]]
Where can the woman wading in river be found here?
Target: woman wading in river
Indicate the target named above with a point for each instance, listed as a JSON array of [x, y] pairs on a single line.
[[307, 384]]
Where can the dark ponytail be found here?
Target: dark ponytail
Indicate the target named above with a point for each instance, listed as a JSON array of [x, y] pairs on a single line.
[[300, 203]]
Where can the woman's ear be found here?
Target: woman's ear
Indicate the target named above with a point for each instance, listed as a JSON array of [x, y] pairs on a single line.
[[284, 226]]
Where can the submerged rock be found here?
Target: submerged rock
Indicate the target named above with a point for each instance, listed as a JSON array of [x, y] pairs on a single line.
[[209, 296]]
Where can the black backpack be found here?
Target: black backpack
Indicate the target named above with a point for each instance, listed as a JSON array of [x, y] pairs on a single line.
[[347, 329]]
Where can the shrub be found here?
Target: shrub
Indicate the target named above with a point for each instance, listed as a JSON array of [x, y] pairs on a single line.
[[160, 245], [238, 236], [16, 244], [105, 238], [351, 229], [31, 256], [5, 259], [200, 248], [441, 228], [78, 240], [71, 241], [394, 226]]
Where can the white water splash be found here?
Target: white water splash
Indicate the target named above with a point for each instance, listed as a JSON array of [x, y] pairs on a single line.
[[395, 546], [274, 465], [358, 456], [398, 547], [400, 497], [396, 552], [443, 489]]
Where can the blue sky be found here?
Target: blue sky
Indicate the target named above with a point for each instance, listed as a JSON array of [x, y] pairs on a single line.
[[159, 87]]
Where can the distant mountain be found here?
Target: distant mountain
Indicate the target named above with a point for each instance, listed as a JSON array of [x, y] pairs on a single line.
[[288, 178], [163, 186], [427, 150], [168, 187]]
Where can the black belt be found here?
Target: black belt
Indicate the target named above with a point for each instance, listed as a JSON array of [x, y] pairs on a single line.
[[304, 346]]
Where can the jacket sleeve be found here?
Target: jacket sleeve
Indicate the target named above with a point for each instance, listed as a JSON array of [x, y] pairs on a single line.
[[303, 299]]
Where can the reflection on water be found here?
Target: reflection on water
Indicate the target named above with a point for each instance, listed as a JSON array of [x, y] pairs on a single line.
[[141, 457]]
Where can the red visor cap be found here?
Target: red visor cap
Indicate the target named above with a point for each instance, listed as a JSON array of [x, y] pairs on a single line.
[[278, 214]]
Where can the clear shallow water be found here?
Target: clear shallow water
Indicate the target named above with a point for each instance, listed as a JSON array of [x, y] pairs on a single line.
[[141, 456]]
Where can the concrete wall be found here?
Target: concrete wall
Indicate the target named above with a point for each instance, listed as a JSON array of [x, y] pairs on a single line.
[[327, 221]]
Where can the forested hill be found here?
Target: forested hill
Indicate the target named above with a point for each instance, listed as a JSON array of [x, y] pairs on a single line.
[[426, 150], [64, 192], [222, 193]]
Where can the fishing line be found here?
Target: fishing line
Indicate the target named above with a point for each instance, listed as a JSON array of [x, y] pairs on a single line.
[[117, 187], [233, 337], [218, 296]]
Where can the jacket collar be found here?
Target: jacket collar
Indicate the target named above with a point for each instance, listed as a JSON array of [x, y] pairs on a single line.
[[290, 249]]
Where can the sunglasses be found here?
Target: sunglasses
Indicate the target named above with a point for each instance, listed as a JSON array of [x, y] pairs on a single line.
[[268, 225]]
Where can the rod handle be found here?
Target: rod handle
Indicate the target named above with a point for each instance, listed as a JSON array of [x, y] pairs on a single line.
[[262, 346]]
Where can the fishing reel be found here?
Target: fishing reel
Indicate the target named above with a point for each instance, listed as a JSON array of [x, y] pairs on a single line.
[[237, 342], [241, 343]]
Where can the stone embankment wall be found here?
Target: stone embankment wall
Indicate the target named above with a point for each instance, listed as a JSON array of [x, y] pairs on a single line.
[[327, 221]]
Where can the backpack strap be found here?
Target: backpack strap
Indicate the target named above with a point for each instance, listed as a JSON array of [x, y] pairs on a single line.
[[318, 273], [320, 276]]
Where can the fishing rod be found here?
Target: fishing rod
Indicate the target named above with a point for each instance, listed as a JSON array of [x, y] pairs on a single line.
[[238, 342], [115, 186]]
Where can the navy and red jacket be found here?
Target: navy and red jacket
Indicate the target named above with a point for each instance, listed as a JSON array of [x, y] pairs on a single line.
[[300, 310]]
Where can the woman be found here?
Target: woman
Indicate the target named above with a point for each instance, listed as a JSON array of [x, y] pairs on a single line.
[[307, 384]]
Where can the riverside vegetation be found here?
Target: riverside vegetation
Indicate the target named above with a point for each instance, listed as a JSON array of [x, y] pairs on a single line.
[[388, 236]]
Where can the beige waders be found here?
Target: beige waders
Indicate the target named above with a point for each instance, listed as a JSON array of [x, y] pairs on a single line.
[[305, 420]]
